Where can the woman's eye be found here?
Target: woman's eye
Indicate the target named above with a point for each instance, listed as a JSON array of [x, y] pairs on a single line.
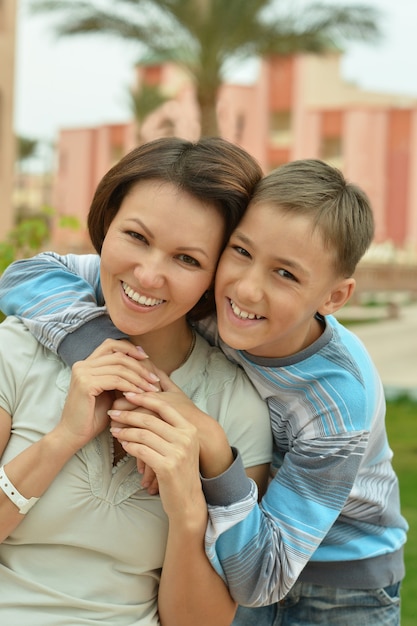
[[136, 235], [188, 260]]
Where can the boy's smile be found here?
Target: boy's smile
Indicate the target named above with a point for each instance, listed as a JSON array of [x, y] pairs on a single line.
[[244, 315], [274, 276]]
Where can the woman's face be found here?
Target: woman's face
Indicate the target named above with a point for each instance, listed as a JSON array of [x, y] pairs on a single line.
[[159, 256]]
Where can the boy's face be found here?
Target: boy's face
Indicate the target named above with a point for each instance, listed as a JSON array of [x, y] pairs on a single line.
[[273, 277]]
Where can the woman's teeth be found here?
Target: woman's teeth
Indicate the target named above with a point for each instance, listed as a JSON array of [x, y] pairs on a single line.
[[136, 297]]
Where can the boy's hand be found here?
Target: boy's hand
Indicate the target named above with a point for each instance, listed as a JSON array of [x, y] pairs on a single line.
[[215, 452]]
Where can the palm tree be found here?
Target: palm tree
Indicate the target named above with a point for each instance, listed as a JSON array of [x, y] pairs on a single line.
[[204, 35], [144, 101], [26, 148]]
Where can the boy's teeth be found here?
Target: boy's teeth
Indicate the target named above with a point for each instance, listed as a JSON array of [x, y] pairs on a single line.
[[136, 297], [243, 314]]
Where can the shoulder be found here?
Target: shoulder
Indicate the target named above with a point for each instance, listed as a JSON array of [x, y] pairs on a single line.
[[348, 354], [13, 330], [26, 367], [219, 370], [19, 346]]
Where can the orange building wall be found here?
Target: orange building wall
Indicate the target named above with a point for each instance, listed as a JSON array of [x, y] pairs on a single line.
[[397, 172], [411, 236], [377, 134]]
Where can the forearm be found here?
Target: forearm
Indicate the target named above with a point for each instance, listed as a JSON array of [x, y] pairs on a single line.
[[55, 296], [215, 452], [31, 472], [191, 592]]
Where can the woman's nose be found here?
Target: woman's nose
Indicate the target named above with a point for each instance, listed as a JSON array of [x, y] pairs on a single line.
[[150, 273]]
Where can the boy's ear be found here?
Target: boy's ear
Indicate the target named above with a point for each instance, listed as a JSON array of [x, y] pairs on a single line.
[[339, 295]]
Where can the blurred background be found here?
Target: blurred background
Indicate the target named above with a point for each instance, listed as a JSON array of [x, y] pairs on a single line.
[[82, 83]]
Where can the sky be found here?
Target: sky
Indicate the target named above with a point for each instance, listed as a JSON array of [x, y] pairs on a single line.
[[83, 81]]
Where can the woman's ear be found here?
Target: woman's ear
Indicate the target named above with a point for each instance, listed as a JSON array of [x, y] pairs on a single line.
[[339, 295]]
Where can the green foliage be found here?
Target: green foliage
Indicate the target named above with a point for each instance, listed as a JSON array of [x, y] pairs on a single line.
[[26, 148], [24, 240], [402, 432], [205, 36], [30, 236], [143, 102], [69, 221]]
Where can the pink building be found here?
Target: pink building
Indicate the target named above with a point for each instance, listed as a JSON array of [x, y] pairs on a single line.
[[299, 107]]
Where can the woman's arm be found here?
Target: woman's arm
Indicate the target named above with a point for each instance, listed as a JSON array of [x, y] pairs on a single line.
[[190, 590], [84, 416], [32, 471]]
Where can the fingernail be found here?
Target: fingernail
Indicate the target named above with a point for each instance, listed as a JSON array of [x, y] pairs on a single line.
[[142, 351], [132, 394], [113, 413], [154, 377]]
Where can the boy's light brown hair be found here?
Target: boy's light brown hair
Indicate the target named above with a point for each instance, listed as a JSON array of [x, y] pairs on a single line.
[[339, 209]]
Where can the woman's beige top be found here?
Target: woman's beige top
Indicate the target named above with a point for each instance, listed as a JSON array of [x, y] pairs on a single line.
[[91, 550]]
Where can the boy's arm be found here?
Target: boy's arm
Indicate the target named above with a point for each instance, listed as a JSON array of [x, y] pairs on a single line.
[[59, 299], [261, 550]]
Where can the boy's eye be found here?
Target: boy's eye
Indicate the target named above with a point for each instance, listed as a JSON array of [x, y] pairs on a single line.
[[286, 274], [241, 251], [188, 260]]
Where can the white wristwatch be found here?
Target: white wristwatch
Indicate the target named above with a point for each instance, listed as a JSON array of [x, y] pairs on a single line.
[[22, 503]]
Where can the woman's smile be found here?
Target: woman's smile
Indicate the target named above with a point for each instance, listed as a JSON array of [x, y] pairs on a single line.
[[158, 258], [140, 298]]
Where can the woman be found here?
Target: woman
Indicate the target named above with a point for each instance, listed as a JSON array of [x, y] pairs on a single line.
[[82, 540]]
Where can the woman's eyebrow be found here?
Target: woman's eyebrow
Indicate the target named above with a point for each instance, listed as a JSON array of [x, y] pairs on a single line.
[[142, 225]]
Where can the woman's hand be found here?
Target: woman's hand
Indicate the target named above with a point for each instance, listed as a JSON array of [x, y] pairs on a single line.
[[166, 442], [113, 367], [149, 479], [215, 452]]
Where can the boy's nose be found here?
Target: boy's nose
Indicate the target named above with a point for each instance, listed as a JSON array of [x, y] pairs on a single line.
[[249, 287]]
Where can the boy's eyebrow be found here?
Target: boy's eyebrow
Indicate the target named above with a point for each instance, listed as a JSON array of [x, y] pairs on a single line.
[[291, 264], [276, 259], [242, 237]]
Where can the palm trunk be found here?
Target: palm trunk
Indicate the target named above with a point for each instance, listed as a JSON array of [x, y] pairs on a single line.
[[207, 100]]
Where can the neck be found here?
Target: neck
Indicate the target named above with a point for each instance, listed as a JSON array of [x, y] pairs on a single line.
[[167, 347]]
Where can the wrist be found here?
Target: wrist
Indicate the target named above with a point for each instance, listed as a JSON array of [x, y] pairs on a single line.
[[216, 455], [189, 519], [60, 443], [20, 501]]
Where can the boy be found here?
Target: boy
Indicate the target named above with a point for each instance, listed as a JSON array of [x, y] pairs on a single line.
[[326, 543]]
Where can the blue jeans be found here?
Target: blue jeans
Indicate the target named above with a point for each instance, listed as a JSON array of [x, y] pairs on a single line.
[[306, 605]]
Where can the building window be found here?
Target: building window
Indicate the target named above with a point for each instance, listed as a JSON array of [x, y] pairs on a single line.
[[331, 151], [280, 128]]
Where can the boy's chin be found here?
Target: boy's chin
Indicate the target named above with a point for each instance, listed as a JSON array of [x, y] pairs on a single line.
[[233, 340]]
